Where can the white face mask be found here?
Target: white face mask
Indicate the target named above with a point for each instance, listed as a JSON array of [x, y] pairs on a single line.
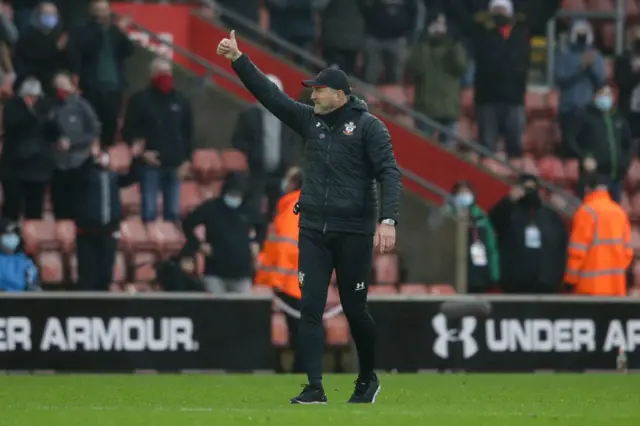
[[464, 199], [232, 201]]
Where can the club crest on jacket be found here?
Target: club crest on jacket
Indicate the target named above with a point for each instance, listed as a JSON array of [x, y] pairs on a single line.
[[349, 128]]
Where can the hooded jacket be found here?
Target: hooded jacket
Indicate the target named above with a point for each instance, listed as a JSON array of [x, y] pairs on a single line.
[[343, 162], [577, 83]]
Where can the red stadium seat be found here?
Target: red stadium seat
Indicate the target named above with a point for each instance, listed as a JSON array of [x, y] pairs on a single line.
[[571, 171], [211, 189], [66, 235], [337, 331], [134, 236], [551, 168], [625, 202], [635, 207], [442, 289], [207, 165], [632, 180], [234, 160], [120, 156], [143, 266], [383, 289], [387, 269], [165, 237], [131, 199], [39, 235], [414, 289], [190, 197], [535, 104], [635, 239], [51, 267], [279, 331]]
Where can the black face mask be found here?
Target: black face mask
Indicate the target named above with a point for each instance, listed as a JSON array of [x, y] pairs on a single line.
[[581, 40], [531, 197], [501, 20]]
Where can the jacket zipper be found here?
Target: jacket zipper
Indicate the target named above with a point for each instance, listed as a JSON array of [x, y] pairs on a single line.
[[326, 179], [106, 197], [612, 146]]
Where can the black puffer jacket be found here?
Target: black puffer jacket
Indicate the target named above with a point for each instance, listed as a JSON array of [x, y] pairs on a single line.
[[342, 163]]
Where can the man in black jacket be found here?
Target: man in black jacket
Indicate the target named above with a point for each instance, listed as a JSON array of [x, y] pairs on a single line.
[[160, 116], [346, 150], [97, 215]]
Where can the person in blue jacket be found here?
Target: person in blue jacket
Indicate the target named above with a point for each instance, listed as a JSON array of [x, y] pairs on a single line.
[[17, 271], [97, 215]]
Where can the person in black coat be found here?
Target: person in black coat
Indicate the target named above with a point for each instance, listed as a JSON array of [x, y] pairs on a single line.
[[532, 240], [229, 246], [27, 160], [97, 215], [97, 53], [347, 149], [41, 49]]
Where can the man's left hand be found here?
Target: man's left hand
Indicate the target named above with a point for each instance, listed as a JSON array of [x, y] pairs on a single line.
[[385, 238]]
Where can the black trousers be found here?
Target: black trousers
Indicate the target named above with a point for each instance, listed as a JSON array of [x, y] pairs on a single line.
[[107, 105], [293, 328], [23, 197], [350, 255], [96, 257], [62, 190]]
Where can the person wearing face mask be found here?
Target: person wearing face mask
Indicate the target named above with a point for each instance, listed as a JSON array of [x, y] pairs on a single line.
[[97, 214], [27, 158], [532, 240], [161, 116], [435, 67], [229, 244], [41, 49], [278, 260], [97, 54], [75, 128], [579, 73], [602, 141], [500, 39], [627, 79], [483, 270], [19, 273]]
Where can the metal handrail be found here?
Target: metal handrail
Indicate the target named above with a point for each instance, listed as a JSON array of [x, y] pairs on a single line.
[[221, 11], [214, 69]]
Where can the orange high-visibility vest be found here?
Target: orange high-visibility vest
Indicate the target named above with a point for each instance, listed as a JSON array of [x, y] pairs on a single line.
[[599, 248], [278, 261]]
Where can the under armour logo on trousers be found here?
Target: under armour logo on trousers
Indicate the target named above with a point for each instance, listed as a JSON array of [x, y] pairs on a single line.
[[447, 335], [360, 286]]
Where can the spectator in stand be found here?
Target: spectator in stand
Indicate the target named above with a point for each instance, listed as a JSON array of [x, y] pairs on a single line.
[[501, 44], [627, 80], [26, 162], [268, 146], [247, 9], [532, 240], [97, 215], [602, 141], [75, 127], [23, 11], [41, 49], [278, 260], [97, 52], [600, 246], [579, 73], [389, 24], [161, 116], [342, 33], [483, 268], [294, 21], [436, 67], [229, 246], [19, 273]]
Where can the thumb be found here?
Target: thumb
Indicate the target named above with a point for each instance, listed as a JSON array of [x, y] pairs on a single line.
[[233, 35]]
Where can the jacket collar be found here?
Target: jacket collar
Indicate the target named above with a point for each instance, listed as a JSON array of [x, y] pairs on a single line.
[[597, 195]]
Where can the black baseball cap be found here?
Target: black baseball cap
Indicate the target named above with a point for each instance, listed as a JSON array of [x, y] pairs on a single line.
[[330, 77]]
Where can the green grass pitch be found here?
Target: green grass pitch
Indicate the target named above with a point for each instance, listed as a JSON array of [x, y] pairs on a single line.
[[405, 400]]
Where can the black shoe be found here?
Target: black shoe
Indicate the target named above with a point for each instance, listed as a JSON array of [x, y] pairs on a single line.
[[365, 391], [310, 395]]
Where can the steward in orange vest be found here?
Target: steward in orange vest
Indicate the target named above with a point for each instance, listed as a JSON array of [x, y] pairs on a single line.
[[600, 244], [278, 261]]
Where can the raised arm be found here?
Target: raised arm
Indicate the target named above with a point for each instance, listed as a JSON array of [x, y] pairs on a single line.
[[290, 112]]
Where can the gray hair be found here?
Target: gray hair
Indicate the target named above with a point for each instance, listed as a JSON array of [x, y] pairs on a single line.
[[158, 65], [30, 87]]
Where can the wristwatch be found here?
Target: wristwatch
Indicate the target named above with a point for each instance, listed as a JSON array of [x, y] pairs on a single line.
[[388, 222]]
